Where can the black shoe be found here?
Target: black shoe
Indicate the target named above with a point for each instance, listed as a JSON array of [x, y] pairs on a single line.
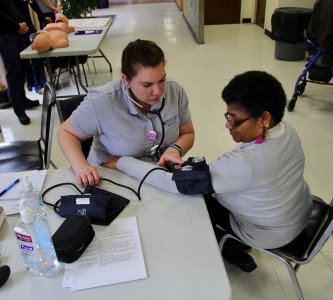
[[23, 118], [31, 103], [244, 261], [4, 274], [5, 104]]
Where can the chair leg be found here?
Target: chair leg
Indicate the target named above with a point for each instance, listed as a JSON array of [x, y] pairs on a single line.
[[76, 83], [85, 75], [292, 271], [293, 277]]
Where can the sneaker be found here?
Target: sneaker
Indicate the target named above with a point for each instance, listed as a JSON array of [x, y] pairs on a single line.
[[23, 118], [244, 261], [31, 103], [5, 104]]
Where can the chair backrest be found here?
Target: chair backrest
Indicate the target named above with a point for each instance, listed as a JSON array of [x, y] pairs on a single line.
[[47, 122], [65, 108]]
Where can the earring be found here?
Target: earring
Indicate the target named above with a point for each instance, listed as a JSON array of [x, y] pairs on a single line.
[[262, 138], [266, 127]]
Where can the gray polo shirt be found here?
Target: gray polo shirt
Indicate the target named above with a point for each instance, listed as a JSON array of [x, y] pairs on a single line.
[[120, 129], [261, 184]]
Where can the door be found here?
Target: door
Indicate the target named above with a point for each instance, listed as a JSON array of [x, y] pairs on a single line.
[[222, 12], [260, 13]]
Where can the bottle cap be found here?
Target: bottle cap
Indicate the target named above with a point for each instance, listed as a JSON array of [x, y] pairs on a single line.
[[27, 184], [26, 215]]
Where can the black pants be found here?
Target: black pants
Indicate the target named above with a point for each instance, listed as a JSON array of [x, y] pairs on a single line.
[[10, 47], [219, 215]]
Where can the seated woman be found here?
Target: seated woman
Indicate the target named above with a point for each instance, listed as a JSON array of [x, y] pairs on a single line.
[[259, 190]]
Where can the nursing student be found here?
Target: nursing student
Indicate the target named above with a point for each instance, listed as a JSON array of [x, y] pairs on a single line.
[[144, 114]]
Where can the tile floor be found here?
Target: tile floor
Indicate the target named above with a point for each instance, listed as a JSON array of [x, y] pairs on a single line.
[[204, 70]]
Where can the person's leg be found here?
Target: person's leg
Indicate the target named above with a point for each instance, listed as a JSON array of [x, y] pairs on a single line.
[[34, 70], [219, 215], [233, 251], [10, 46]]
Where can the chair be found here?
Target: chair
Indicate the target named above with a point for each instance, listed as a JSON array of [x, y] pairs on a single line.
[[319, 67], [303, 249], [65, 108], [68, 64], [27, 155]]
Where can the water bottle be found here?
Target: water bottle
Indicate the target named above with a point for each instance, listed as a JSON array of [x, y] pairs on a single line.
[[31, 198], [35, 244]]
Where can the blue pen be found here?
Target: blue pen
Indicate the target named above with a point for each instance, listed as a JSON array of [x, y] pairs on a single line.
[[6, 189]]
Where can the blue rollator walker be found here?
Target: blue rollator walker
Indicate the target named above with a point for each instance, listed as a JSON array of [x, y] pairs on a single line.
[[319, 36], [315, 72]]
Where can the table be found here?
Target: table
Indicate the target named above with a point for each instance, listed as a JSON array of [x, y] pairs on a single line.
[[87, 44], [181, 255]]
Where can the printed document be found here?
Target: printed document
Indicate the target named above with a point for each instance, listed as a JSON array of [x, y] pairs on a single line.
[[114, 256], [10, 200], [89, 22]]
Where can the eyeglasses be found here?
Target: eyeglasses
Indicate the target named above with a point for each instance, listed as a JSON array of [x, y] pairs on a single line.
[[232, 123]]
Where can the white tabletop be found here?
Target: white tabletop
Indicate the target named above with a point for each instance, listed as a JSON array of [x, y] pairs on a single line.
[[181, 254], [78, 44]]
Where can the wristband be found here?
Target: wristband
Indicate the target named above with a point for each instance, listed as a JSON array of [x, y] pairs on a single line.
[[177, 147]]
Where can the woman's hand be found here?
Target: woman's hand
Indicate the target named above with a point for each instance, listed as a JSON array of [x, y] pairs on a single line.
[[172, 155], [88, 175], [111, 163]]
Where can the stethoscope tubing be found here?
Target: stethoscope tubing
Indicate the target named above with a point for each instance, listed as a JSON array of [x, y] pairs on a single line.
[[155, 112]]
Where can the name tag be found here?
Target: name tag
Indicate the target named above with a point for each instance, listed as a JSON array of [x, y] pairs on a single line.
[[82, 201]]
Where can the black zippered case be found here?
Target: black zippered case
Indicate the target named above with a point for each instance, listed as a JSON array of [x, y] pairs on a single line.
[[72, 238]]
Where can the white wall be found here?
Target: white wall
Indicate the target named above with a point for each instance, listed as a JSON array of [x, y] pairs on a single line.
[[248, 10], [271, 5]]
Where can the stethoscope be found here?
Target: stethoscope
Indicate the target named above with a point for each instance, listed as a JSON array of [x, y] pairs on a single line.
[[155, 150]]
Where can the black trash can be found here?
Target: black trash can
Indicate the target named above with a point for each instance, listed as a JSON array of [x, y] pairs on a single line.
[[288, 25], [102, 4]]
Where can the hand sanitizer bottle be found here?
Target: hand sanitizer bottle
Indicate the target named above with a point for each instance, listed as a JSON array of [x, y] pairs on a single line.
[[35, 244]]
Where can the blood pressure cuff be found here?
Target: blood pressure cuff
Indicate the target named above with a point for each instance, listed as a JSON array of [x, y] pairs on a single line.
[[72, 238], [195, 181], [100, 205]]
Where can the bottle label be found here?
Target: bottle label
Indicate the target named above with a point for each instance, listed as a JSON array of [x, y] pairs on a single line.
[[25, 243]]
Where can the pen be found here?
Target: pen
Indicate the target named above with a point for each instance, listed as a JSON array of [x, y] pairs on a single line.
[[7, 188]]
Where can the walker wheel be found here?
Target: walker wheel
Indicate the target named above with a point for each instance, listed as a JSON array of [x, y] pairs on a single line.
[[301, 88], [291, 104]]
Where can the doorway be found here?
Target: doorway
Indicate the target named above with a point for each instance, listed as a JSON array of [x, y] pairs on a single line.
[[260, 12], [222, 12]]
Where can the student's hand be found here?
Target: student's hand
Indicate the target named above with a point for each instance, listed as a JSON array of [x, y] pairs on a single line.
[[88, 175], [172, 155], [23, 28], [111, 163]]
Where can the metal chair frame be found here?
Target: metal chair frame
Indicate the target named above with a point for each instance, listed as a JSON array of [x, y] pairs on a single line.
[[313, 244], [27, 155]]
